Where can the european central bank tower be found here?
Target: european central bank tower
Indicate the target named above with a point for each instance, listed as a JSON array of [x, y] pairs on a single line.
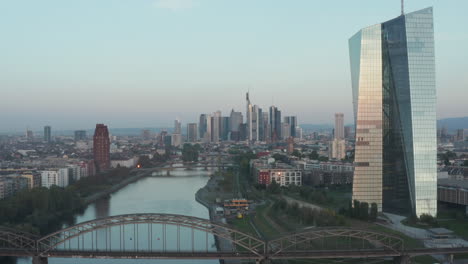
[[394, 99]]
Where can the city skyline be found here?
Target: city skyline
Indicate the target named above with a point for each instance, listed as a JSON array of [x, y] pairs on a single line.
[[294, 61]]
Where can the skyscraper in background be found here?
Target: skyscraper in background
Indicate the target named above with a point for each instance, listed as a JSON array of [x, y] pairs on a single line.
[[275, 123], [339, 126], [292, 121], [394, 97], [236, 119], [202, 126], [80, 135], [249, 120], [215, 126], [192, 135], [47, 131], [177, 127], [101, 148]]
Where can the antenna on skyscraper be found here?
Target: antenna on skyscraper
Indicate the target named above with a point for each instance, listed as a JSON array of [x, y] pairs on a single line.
[[402, 7]]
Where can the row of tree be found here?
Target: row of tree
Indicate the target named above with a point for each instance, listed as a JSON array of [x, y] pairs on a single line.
[[190, 152], [40, 210], [360, 210]]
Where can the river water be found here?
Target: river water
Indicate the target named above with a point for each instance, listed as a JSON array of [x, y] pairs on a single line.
[[160, 194]]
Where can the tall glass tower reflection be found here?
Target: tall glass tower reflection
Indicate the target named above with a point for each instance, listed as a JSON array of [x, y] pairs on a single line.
[[394, 98]]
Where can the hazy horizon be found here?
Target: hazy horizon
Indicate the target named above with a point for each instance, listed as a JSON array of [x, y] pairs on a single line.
[[144, 63]]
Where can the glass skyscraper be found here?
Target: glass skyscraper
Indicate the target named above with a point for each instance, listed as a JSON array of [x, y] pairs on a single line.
[[394, 98]]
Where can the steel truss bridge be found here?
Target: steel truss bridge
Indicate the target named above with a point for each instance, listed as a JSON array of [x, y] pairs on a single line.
[[170, 236]]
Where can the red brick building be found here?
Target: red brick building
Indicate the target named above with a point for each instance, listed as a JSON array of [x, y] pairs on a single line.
[[101, 148]]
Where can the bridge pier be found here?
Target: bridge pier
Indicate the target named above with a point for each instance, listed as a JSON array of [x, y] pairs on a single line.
[[404, 259], [449, 259], [168, 173], [39, 260], [262, 261]]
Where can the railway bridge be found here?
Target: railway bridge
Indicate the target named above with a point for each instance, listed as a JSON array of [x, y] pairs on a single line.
[[171, 236]]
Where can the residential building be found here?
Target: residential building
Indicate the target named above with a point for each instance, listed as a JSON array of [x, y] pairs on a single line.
[[101, 148], [58, 177]]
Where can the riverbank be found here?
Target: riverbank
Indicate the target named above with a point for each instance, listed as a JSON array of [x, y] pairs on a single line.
[[105, 193]]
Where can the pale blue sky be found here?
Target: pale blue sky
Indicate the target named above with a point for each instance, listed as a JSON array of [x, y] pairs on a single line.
[[135, 63]]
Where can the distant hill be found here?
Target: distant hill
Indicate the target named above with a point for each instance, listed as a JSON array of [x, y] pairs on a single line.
[[453, 123]]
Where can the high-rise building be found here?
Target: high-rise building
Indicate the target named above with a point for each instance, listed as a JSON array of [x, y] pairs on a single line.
[[254, 130], [337, 149], [285, 130], [236, 119], [192, 132], [265, 127], [47, 131], [80, 135], [101, 147], [249, 121], [275, 123], [146, 134], [177, 127], [225, 127], [58, 177], [29, 135], [292, 121], [394, 97], [215, 126], [460, 135], [202, 126], [339, 126]]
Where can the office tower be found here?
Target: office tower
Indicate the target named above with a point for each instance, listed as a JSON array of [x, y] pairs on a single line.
[[209, 124], [47, 130], [192, 132], [202, 126], [292, 121], [101, 147], [29, 135], [177, 127], [225, 127], [394, 97], [285, 131], [339, 126], [337, 146], [260, 124], [275, 123], [460, 135], [255, 118], [146, 134], [80, 135], [249, 118], [265, 136], [215, 126], [236, 119]]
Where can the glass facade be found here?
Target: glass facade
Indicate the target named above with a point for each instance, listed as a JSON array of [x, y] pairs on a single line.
[[393, 80]]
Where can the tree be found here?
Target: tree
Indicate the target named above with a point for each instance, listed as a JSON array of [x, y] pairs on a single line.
[[274, 187], [373, 212], [465, 163], [144, 161], [364, 211], [296, 153], [190, 153], [314, 155], [356, 208]]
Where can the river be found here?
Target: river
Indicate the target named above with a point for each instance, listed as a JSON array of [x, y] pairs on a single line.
[[174, 195]]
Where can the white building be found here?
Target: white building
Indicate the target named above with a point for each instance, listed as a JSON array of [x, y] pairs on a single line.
[[57, 177], [130, 163], [337, 149]]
